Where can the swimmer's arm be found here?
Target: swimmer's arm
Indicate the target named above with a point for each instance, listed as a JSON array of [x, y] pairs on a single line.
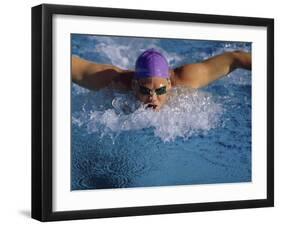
[[95, 76], [201, 74]]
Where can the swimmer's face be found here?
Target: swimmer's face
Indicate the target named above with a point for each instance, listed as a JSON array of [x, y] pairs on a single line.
[[153, 92]]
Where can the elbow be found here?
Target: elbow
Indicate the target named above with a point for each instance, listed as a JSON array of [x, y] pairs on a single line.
[[242, 59], [76, 69], [76, 77]]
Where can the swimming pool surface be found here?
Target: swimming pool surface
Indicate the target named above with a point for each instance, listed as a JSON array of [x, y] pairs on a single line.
[[199, 137]]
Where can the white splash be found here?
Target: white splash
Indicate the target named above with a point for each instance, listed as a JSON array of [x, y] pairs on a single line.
[[187, 112], [123, 52]]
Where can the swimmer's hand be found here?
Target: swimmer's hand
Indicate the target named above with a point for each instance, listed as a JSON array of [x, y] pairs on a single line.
[[201, 74]]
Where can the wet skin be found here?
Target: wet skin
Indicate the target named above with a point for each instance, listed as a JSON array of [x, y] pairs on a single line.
[[96, 76]]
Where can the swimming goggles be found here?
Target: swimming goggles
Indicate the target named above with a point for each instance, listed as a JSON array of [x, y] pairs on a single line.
[[146, 91]]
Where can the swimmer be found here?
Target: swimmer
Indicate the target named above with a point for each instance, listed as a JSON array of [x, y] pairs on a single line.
[[152, 79]]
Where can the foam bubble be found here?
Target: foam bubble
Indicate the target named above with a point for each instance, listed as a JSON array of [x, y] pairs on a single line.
[[123, 51], [187, 112]]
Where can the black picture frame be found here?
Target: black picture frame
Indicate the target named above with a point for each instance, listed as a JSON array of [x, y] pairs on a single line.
[[42, 107]]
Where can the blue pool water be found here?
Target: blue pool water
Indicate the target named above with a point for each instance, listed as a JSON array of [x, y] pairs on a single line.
[[200, 136]]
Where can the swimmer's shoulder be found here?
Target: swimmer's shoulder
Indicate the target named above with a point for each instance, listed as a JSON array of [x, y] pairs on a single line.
[[124, 80], [95, 76], [180, 76]]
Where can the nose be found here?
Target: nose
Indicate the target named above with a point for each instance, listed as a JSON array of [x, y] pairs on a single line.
[[152, 96]]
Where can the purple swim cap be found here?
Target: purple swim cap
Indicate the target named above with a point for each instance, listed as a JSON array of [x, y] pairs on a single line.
[[151, 63]]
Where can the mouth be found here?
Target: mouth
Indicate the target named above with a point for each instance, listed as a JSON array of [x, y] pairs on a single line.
[[153, 106]]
